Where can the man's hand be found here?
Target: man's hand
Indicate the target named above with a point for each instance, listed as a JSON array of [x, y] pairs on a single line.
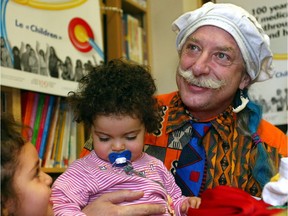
[[107, 205]]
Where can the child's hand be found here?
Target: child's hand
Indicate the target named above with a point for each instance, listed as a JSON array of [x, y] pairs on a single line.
[[192, 202]]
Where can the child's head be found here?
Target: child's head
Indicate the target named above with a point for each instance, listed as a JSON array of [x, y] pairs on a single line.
[[118, 92], [25, 189]]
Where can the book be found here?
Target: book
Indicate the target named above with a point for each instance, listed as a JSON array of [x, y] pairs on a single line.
[[37, 119], [56, 137], [80, 137], [46, 127], [73, 143], [59, 142], [24, 97], [134, 39], [27, 98], [144, 47], [47, 161], [139, 50], [42, 122], [66, 139], [28, 108], [34, 110], [124, 36], [125, 51]]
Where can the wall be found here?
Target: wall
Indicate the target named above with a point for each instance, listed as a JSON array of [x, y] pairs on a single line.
[[163, 49]]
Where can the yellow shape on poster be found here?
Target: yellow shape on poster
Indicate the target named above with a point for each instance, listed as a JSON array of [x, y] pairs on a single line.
[[81, 34], [51, 4]]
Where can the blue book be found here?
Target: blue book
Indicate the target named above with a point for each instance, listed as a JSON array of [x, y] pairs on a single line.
[[46, 127]]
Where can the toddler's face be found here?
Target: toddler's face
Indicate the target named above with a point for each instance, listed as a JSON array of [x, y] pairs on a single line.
[[116, 134], [32, 185]]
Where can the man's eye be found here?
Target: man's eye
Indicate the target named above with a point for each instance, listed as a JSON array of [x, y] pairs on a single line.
[[223, 59], [223, 56], [192, 47]]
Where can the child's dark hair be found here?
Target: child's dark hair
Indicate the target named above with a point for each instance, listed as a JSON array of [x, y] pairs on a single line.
[[11, 145], [117, 88]]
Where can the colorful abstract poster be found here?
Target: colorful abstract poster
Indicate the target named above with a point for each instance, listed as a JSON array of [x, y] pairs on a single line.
[[271, 94], [47, 46]]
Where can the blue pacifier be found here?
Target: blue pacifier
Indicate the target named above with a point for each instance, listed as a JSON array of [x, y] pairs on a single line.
[[120, 159]]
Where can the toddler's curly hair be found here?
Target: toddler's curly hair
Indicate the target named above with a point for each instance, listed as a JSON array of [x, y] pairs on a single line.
[[119, 88]]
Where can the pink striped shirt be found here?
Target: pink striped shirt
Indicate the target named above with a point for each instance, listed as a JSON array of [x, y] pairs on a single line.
[[90, 177]]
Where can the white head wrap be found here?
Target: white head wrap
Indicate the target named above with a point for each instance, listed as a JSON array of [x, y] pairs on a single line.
[[244, 28]]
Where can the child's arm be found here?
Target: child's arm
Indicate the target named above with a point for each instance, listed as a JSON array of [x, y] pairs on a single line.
[[70, 191]]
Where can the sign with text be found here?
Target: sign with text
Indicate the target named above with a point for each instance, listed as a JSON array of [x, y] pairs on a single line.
[[271, 94], [49, 44]]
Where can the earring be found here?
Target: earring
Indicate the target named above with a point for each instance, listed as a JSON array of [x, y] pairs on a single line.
[[244, 102]]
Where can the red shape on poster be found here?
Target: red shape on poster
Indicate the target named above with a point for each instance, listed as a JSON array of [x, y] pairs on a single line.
[[79, 33]]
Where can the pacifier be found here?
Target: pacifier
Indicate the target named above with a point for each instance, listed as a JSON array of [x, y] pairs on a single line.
[[120, 159]]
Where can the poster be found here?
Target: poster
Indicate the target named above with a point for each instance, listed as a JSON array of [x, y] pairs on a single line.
[[271, 94], [47, 46]]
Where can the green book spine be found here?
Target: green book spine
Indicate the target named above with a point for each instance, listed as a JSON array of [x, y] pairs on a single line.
[[38, 118]]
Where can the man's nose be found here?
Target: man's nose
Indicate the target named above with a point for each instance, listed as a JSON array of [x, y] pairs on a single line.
[[201, 64]]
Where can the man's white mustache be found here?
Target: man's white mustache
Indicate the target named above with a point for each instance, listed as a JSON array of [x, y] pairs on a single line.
[[201, 82]]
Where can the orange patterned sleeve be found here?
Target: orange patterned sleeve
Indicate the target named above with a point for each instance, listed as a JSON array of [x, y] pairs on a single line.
[[274, 137]]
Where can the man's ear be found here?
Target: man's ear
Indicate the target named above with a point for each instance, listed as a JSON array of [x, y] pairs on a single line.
[[245, 81]]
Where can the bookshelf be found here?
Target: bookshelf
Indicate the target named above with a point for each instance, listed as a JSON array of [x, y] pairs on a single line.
[[115, 12], [13, 100]]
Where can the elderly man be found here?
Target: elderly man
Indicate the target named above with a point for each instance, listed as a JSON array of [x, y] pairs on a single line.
[[212, 134], [222, 51]]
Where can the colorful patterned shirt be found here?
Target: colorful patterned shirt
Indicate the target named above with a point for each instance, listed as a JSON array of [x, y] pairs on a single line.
[[229, 154]]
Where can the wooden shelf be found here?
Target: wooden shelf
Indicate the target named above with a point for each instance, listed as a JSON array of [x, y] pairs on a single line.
[[53, 170], [131, 7]]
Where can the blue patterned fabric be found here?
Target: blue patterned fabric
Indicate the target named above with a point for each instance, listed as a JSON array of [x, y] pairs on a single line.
[[191, 164]]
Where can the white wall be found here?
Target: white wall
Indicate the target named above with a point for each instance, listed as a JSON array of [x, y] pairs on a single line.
[[163, 49]]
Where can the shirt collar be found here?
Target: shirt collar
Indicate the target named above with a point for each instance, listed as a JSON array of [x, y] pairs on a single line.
[[178, 116]]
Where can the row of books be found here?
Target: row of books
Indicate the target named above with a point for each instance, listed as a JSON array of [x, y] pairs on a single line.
[[51, 128], [134, 43]]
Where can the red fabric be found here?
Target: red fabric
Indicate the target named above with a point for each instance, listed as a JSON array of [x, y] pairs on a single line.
[[229, 201], [194, 176]]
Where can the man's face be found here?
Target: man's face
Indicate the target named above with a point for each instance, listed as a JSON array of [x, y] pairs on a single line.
[[214, 59]]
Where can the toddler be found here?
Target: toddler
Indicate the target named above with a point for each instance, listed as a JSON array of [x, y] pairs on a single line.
[[116, 101]]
